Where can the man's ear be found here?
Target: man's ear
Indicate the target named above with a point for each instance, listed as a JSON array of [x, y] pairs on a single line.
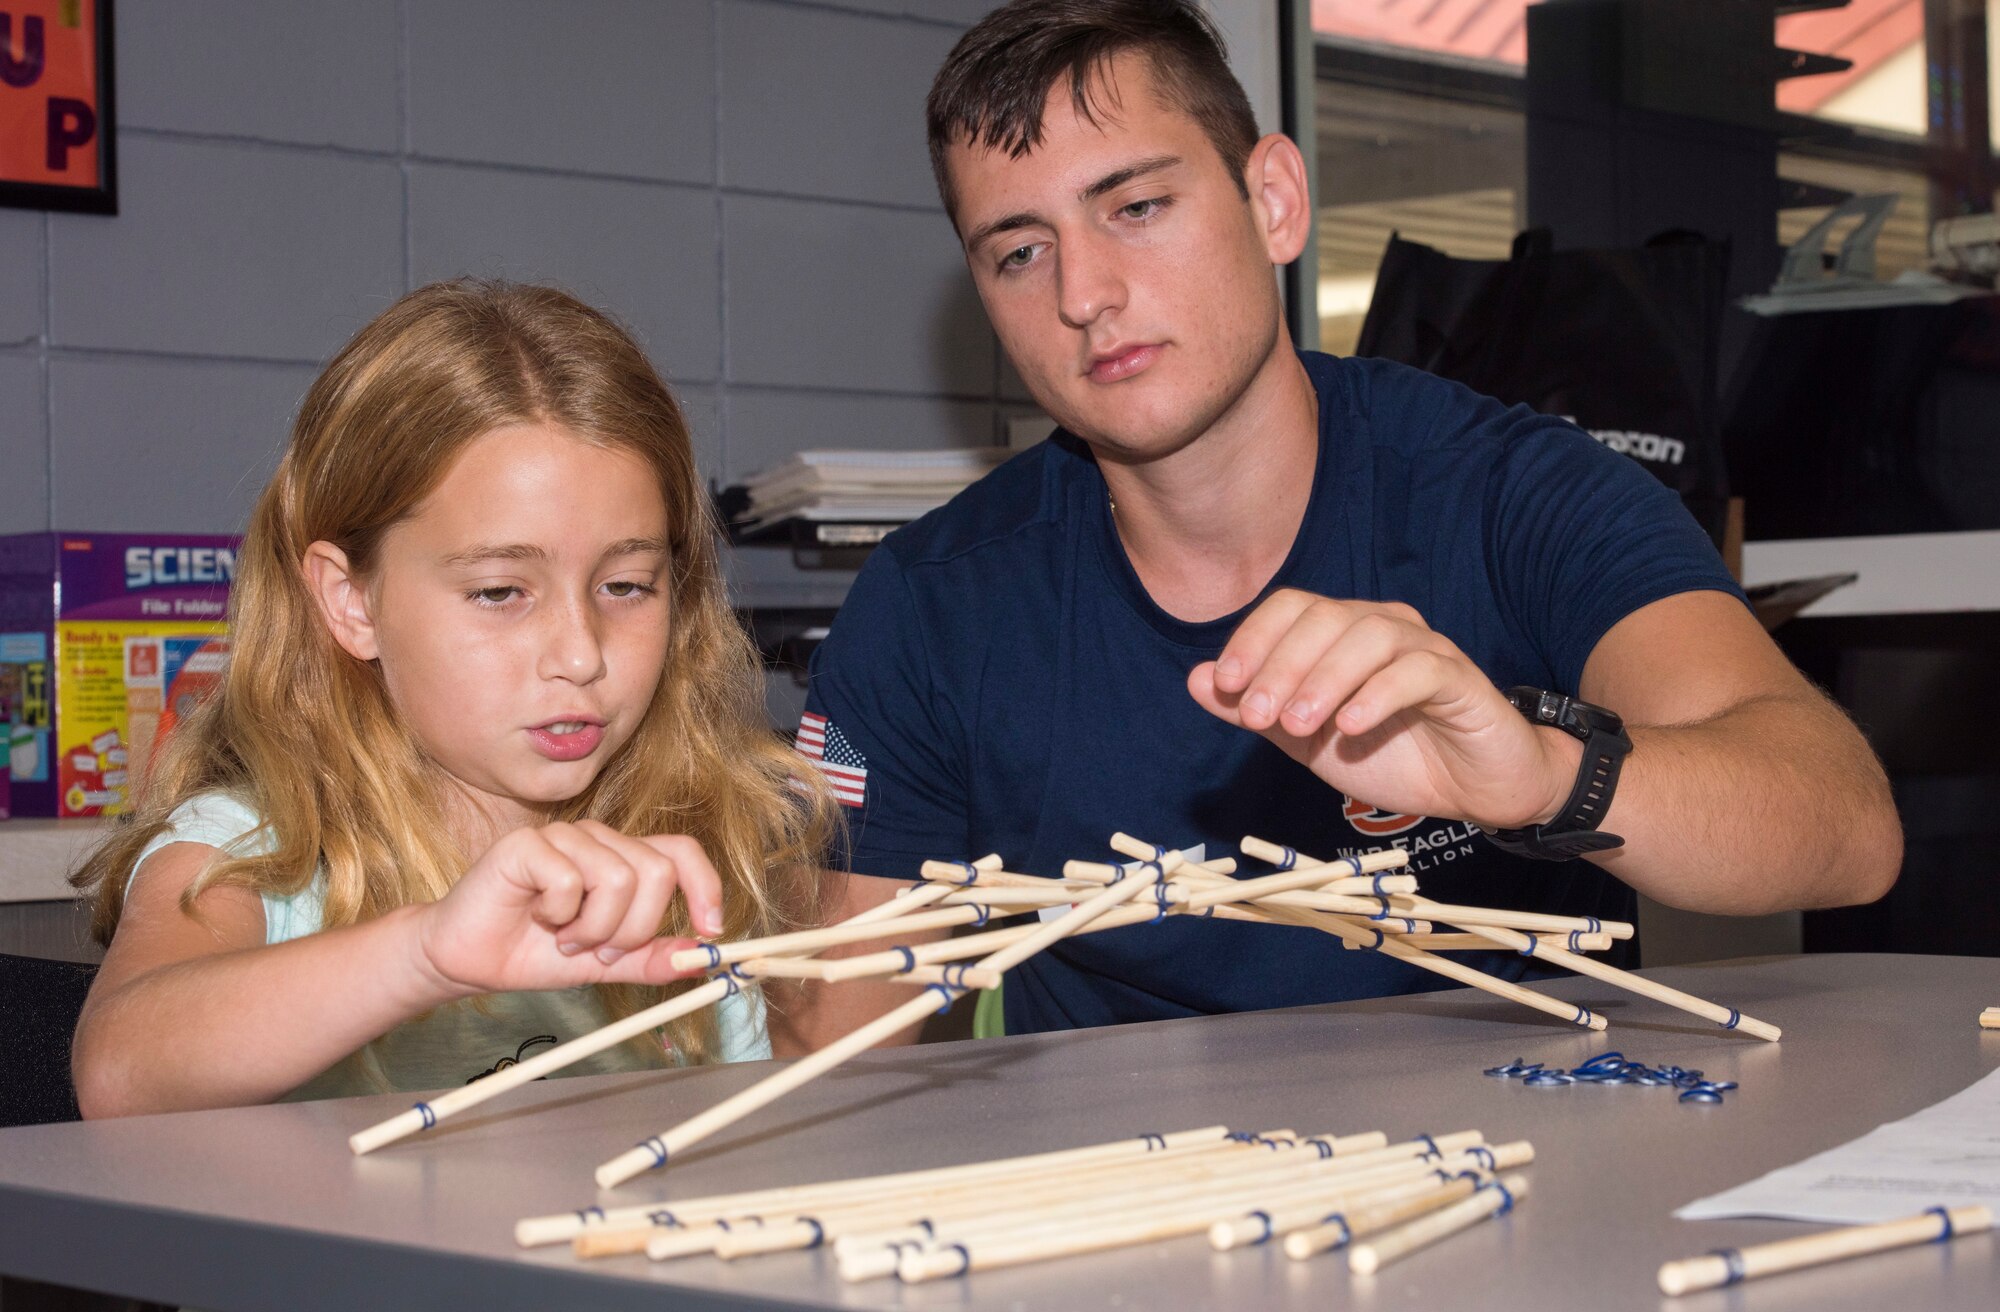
[[342, 599], [1280, 196]]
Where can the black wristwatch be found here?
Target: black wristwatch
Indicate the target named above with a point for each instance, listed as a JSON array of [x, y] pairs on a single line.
[[1574, 830]]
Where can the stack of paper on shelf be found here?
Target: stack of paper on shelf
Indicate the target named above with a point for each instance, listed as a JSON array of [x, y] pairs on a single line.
[[871, 486]]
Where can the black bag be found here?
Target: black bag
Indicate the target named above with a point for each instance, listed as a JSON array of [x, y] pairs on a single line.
[[1622, 342]]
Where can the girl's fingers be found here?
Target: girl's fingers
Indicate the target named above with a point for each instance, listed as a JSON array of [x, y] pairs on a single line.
[[558, 880], [648, 910], [651, 963], [609, 883], [699, 883]]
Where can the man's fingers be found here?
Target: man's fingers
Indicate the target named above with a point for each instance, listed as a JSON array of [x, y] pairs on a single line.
[[699, 883], [1413, 679], [1369, 644], [1260, 631]]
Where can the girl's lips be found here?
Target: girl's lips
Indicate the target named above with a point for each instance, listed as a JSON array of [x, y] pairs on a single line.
[[573, 746], [1120, 367]]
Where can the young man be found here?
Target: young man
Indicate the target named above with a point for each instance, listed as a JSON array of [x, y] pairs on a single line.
[[1246, 590]]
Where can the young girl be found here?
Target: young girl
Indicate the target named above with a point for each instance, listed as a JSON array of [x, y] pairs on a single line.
[[479, 642]]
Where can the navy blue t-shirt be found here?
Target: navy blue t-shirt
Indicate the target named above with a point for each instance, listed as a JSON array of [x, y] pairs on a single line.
[[1000, 681]]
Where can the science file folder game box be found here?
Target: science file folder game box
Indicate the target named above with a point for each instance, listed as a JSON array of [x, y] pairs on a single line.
[[105, 640]]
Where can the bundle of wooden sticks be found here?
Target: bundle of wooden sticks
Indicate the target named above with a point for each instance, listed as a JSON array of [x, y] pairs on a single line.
[[1316, 1193], [1355, 899]]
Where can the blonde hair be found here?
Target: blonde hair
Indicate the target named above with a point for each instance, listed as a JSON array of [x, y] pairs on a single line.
[[305, 733]]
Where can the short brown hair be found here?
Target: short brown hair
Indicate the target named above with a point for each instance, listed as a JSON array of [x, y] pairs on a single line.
[[996, 80]]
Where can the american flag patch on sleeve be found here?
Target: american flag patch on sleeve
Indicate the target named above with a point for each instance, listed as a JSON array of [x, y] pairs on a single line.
[[827, 747]]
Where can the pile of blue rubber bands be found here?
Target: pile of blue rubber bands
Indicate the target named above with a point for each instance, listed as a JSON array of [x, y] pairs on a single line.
[[1612, 1068]]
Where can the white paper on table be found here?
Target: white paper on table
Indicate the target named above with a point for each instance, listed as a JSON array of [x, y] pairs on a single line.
[[1947, 1155]]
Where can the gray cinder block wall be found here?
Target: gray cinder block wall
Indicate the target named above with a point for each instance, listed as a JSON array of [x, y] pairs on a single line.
[[742, 181]]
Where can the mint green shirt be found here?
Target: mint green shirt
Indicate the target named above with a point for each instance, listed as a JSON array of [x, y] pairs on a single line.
[[458, 1043]]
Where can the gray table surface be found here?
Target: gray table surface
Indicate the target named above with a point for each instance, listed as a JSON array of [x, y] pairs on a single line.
[[264, 1208]]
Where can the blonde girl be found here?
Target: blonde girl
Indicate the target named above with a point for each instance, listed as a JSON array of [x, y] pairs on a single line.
[[489, 749]]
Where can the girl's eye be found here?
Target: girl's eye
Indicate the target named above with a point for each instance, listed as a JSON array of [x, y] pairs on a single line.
[[622, 588], [498, 595]]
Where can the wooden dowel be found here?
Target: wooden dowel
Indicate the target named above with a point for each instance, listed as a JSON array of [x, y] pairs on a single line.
[[427, 1114], [1354, 1223], [1531, 921], [556, 1228], [958, 1253], [1269, 1223], [657, 1150], [969, 977], [1730, 1265], [1488, 1200], [953, 871], [711, 956], [1989, 1019], [1391, 946], [1727, 1017], [1216, 1188], [1469, 942], [803, 1223]]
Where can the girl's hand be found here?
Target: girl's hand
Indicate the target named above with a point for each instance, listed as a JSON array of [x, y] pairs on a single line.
[[565, 905]]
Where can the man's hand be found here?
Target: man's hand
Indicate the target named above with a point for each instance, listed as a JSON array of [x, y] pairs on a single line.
[[1375, 703]]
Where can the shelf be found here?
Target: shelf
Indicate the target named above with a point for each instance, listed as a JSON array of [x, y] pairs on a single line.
[[36, 856]]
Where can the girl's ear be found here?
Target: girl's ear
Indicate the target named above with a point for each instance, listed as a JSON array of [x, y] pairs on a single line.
[[342, 600]]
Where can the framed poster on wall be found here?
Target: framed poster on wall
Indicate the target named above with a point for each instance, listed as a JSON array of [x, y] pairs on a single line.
[[57, 144]]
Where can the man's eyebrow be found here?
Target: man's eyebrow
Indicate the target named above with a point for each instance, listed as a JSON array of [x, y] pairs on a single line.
[[1109, 182], [1113, 181]]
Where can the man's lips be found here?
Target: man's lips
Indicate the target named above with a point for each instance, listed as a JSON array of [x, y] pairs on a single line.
[[1123, 362], [566, 740]]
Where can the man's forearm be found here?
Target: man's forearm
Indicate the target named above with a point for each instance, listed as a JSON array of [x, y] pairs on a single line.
[[1775, 804]]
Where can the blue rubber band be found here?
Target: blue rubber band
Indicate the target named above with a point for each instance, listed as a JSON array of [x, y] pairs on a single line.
[[585, 1214], [1529, 951], [1944, 1217], [1354, 863], [819, 1232], [909, 958], [924, 1223], [1432, 1144], [1574, 945], [1734, 1017], [1383, 913], [657, 1147], [1339, 1219], [985, 914], [1265, 1217], [1289, 860], [424, 1110], [1595, 924], [733, 988], [1379, 938], [1732, 1264], [945, 991], [665, 1218], [714, 955], [964, 1259], [1484, 1156], [1322, 1147], [1160, 891], [1506, 1198], [971, 873], [1583, 1016], [1378, 880], [722, 1224]]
